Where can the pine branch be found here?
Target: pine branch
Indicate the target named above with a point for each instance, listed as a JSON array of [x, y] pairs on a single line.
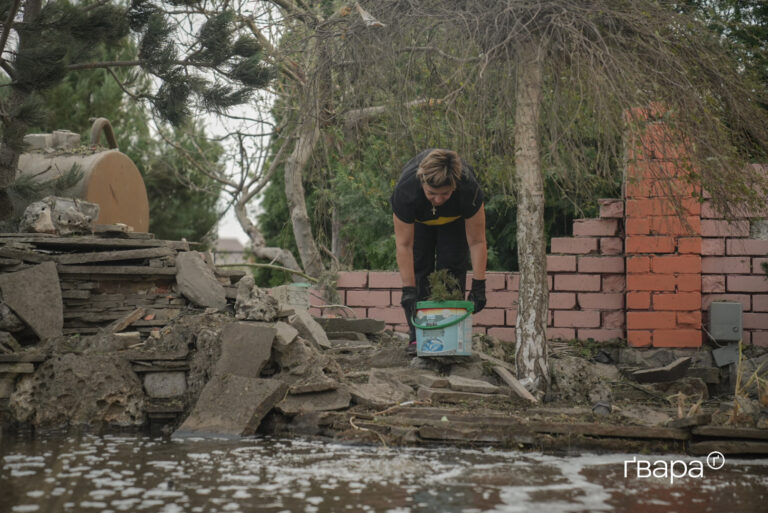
[[8, 24], [106, 64]]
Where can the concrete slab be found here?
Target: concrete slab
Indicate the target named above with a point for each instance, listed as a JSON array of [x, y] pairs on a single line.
[[34, 295], [197, 282], [285, 334], [323, 401], [231, 406], [476, 386], [245, 348], [309, 328], [165, 384]]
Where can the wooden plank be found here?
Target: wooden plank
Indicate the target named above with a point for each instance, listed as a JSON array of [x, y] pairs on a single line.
[[514, 384], [126, 320], [22, 357], [124, 270], [610, 430], [112, 256], [728, 447], [496, 361], [731, 432], [17, 368]]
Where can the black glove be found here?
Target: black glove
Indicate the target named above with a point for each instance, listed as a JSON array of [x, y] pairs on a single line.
[[477, 294], [408, 302]]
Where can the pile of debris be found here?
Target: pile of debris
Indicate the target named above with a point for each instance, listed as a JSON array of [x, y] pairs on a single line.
[[121, 330]]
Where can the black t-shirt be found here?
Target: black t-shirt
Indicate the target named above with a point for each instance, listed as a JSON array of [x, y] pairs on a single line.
[[410, 204]]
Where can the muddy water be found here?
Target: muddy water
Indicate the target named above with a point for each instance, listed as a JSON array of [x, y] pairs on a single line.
[[129, 473]]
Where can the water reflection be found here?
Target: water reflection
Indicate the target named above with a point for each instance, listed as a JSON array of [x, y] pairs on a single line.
[[115, 473]]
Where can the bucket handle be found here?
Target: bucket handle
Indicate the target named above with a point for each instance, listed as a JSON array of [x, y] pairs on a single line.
[[441, 326]]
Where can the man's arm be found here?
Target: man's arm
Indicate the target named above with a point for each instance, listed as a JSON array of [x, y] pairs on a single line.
[[478, 249], [404, 246]]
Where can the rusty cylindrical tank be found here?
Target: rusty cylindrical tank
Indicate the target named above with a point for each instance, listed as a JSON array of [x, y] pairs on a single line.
[[108, 177]]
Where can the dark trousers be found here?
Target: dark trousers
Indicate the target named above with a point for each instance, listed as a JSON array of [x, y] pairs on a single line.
[[439, 247]]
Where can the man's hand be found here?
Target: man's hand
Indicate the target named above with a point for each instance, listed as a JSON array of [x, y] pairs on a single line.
[[408, 302], [477, 294]]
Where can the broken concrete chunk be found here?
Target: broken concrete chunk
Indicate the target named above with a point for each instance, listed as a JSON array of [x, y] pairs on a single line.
[[245, 349], [309, 328], [378, 377], [8, 343], [472, 385], [61, 216], [670, 372], [165, 384], [9, 321], [34, 295], [382, 395], [197, 282], [285, 334], [253, 303], [323, 401], [231, 406], [316, 382]]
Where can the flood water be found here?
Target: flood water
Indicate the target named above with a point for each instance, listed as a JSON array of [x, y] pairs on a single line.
[[134, 473]]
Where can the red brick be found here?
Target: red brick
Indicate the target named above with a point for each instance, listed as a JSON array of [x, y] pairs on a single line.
[[600, 335], [712, 283], [689, 319], [650, 244], [747, 302], [601, 301], [740, 283], [611, 246], [390, 315], [760, 338], [708, 211], [680, 301], [759, 303], [601, 264], [384, 280], [637, 226], [722, 228], [638, 300], [503, 334], [494, 281], [755, 321], [397, 295], [677, 338], [562, 300], [725, 265], [561, 333], [510, 317], [368, 298], [614, 320], [676, 264], [577, 282], [561, 263], [315, 312], [650, 282], [746, 247], [688, 282], [650, 320], [489, 317], [638, 264], [513, 281], [501, 299], [757, 266], [713, 247], [639, 188], [673, 225], [686, 245], [638, 338], [574, 245], [352, 279], [661, 207], [614, 283], [595, 227], [611, 208], [577, 319]]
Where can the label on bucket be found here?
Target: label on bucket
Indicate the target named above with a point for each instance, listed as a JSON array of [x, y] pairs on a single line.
[[443, 331]]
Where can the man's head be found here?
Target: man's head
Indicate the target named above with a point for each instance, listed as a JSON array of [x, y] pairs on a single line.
[[439, 173]]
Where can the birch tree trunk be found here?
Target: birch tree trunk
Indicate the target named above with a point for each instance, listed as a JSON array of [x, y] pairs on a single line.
[[533, 304], [259, 245]]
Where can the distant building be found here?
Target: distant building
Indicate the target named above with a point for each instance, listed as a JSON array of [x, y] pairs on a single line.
[[229, 251]]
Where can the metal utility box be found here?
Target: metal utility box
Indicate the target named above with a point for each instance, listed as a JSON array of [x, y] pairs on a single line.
[[725, 321]]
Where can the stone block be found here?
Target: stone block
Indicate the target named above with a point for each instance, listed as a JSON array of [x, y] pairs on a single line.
[[197, 282], [309, 328], [165, 384], [245, 348], [231, 406], [284, 334]]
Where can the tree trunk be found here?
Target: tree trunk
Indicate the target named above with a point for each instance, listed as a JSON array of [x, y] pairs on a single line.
[[308, 131], [533, 303], [259, 245]]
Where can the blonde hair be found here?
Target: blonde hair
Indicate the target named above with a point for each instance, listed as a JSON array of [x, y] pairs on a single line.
[[440, 168]]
